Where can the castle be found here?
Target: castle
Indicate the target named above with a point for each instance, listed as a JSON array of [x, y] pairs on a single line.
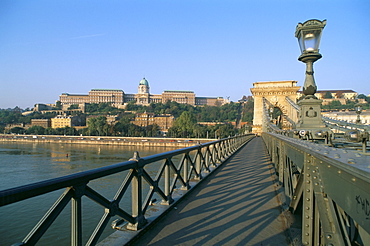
[[118, 98]]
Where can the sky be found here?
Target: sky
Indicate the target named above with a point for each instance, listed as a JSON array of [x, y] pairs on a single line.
[[214, 48]]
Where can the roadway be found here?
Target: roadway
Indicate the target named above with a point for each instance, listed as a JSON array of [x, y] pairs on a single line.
[[236, 205]]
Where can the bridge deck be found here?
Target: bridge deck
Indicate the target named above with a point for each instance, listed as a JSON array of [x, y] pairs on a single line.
[[238, 205]]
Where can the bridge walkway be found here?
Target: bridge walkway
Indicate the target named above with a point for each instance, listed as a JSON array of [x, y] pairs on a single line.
[[237, 205]]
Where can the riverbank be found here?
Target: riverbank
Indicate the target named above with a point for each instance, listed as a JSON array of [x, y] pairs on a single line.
[[107, 140]]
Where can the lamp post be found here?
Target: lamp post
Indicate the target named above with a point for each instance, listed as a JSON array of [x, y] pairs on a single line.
[[309, 35], [358, 108], [271, 111]]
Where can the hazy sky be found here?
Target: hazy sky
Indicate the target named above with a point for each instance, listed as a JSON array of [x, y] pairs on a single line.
[[214, 48]]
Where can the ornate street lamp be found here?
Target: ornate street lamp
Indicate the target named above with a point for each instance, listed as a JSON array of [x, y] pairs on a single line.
[[358, 108], [271, 111], [309, 35]]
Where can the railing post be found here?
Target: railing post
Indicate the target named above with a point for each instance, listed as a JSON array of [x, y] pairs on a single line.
[[136, 196], [185, 173], [206, 158], [76, 220], [198, 164], [167, 184]]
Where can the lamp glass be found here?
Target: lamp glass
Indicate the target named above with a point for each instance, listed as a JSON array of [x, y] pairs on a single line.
[[358, 108], [310, 40]]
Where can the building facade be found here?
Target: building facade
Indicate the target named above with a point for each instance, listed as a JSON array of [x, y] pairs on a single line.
[[163, 121], [62, 121], [45, 123], [143, 97]]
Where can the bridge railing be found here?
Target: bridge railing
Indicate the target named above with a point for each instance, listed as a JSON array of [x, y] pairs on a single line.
[[328, 188], [342, 125], [193, 164]]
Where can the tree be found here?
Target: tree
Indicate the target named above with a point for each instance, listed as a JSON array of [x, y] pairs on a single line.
[[185, 123], [152, 130], [73, 106], [327, 95], [58, 105], [37, 130], [18, 130], [98, 126]]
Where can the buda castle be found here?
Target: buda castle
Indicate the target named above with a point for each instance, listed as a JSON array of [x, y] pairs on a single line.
[[118, 98]]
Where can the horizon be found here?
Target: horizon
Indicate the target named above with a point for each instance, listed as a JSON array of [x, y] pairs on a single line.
[[213, 48]]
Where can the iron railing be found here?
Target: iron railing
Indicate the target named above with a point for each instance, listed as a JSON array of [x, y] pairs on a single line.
[[194, 164], [327, 188]]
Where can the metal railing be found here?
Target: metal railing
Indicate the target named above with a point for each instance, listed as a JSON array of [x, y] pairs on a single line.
[[342, 125], [327, 188], [194, 164]]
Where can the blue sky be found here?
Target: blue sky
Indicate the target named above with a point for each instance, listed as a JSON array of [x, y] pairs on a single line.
[[211, 47]]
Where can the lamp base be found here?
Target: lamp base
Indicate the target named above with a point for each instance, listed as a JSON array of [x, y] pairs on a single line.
[[310, 114]]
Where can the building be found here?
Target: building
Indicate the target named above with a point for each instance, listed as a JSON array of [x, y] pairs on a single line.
[[62, 121], [336, 94], [45, 123], [115, 97], [118, 98], [163, 121]]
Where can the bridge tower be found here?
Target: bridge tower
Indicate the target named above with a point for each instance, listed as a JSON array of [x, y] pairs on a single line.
[[275, 92]]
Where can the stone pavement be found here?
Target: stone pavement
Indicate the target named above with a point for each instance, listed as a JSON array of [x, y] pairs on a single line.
[[236, 205]]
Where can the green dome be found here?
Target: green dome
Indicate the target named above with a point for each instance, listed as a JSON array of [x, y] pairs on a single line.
[[144, 82]]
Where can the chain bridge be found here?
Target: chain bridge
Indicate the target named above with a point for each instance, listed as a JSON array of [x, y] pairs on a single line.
[[289, 183]]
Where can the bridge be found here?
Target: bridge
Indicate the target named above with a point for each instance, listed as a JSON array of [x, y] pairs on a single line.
[[296, 182]]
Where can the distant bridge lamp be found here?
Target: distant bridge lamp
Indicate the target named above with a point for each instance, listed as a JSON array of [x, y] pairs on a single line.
[[309, 35], [358, 108]]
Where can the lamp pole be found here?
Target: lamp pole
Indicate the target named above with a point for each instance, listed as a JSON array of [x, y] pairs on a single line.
[[309, 35]]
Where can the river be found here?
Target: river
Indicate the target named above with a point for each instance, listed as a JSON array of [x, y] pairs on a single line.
[[24, 163]]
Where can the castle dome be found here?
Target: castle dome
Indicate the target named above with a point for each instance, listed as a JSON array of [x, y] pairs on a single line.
[[144, 82]]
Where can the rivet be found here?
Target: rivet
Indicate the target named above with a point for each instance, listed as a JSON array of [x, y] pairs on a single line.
[[315, 177], [351, 161], [353, 179], [307, 199], [307, 234], [307, 208], [308, 190], [307, 225], [339, 171], [329, 166], [308, 175], [307, 217], [314, 171], [328, 236], [307, 181], [316, 183], [308, 161]]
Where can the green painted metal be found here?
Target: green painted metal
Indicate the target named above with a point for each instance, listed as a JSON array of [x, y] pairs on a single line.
[[332, 187]]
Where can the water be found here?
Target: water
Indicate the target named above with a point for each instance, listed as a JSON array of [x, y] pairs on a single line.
[[25, 163]]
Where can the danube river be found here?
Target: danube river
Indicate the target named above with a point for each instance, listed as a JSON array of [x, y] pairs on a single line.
[[26, 162]]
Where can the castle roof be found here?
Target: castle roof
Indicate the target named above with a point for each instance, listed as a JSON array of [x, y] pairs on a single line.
[[144, 82]]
